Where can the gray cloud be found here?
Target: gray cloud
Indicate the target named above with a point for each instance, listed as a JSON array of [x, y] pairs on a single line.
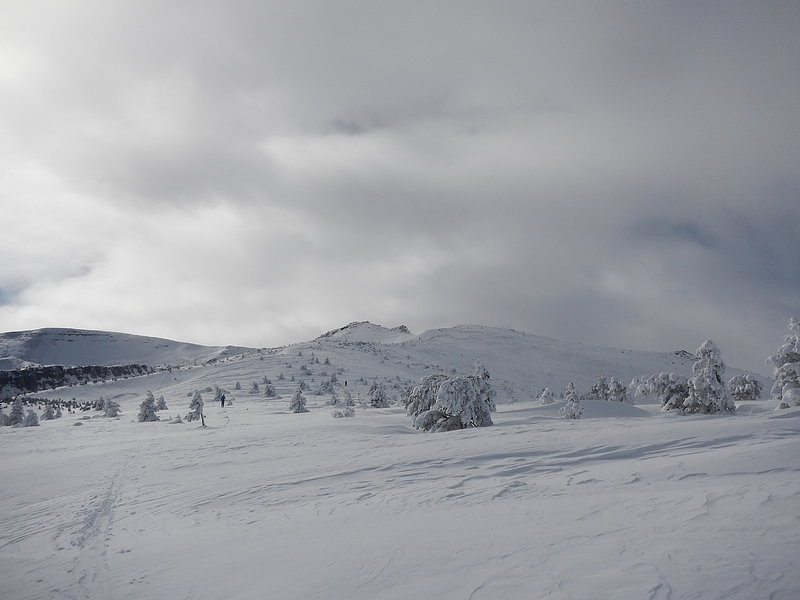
[[258, 172]]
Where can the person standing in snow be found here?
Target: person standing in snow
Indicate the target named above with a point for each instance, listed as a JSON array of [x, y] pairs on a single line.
[[222, 401]]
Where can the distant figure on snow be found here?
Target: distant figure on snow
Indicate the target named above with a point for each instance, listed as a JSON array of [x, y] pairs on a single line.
[[222, 401]]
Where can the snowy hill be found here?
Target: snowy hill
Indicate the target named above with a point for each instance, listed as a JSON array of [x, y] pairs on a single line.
[[626, 502], [77, 347], [367, 332]]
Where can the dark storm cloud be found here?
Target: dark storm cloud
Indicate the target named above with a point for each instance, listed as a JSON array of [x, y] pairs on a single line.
[[609, 172]]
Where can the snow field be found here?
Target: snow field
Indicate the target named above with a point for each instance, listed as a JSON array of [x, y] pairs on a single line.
[[623, 503]]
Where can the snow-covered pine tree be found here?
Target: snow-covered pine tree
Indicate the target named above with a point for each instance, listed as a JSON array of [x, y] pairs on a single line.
[[254, 389], [617, 391], [423, 396], [572, 409], [196, 409], [3, 419], [461, 402], [547, 397], [744, 388], [707, 392], [599, 391], [110, 408], [670, 389], [298, 402], [30, 420], [377, 396], [17, 415], [786, 368], [161, 404], [269, 390], [49, 413], [147, 409]]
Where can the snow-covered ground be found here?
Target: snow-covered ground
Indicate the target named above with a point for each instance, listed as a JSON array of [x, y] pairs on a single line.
[[625, 503]]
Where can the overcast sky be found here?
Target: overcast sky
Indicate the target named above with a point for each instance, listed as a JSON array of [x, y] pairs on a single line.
[[258, 172]]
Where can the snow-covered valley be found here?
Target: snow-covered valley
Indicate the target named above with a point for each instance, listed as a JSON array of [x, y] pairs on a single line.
[[626, 502]]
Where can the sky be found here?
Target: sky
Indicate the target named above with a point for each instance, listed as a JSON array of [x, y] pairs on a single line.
[[259, 172]]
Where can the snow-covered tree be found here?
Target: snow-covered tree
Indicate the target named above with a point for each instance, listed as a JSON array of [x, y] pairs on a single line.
[[460, 402], [196, 409], [4, 421], [147, 409], [547, 397], [670, 389], [423, 396], [377, 396], [598, 391], [744, 387], [161, 404], [111, 408], [786, 368], [30, 420], [707, 392], [572, 409], [59, 414], [254, 389], [238, 386], [49, 413], [617, 391], [17, 415], [298, 402]]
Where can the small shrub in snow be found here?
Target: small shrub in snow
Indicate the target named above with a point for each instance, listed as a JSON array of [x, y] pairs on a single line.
[[744, 388], [298, 402], [707, 393], [572, 409], [269, 390], [546, 397], [459, 402], [196, 409], [49, 413], [147, 409], [254, 389], [237, 387], [346, 411], [786, 372]]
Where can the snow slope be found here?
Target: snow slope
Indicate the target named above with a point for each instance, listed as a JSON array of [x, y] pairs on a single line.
[[78, 347], [624, 503], [267, 504]]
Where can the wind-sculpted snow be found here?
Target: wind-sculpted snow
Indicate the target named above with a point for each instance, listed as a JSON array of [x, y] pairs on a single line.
[[626, 502]]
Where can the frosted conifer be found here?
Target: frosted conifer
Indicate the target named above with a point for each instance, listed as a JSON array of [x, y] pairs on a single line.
[[17, 415], [30, 420], [147, 409], [707, 393], [546, 397], [786, 363], [298, 402], [573, 409], [196, 409]]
